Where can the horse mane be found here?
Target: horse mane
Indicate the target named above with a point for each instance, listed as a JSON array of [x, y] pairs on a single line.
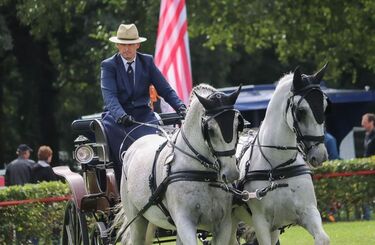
[[284, 79], [201, 89]]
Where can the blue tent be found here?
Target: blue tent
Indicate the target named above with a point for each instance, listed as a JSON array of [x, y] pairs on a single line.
[[348, 106]]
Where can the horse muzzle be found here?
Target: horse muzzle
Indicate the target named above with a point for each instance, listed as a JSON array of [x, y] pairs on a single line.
[[316, 155], [229, 172]]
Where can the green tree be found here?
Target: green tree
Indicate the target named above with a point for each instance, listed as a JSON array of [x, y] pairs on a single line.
[[50, 52], [304, 32]]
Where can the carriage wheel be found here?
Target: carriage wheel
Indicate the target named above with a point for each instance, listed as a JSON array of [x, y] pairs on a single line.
[[75, 226], [99, 235]]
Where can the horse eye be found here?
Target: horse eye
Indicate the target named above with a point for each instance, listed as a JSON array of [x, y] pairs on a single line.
[[210, 129], [300, 114]]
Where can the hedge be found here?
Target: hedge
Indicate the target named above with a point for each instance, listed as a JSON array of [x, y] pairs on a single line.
[[45, 220], [345, 196], [33, 220]]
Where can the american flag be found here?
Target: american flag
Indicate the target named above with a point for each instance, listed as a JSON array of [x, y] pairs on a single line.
[[172, 54]]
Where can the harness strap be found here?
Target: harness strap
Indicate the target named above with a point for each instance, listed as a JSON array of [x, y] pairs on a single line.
[[197, 156], [318, 139], [152, 178], [276, 174], [243, 150], [153, 184], [280, 147], [286, 163], [247, 166]]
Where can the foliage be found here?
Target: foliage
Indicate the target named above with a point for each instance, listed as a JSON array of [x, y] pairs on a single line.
[[345, 195], [50, 53], [35, 219], [341, 32]]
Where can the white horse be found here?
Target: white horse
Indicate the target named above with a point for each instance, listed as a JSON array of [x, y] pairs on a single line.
[[294, 122], [182, 173]]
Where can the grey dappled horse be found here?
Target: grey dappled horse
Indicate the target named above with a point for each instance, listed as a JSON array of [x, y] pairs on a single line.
[[201, 153], [294, 117]]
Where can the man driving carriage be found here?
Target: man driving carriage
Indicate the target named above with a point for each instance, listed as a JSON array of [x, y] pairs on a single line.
[[125, 81]]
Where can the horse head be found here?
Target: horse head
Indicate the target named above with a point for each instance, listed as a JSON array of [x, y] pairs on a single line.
[[220, 125], [306, 109]]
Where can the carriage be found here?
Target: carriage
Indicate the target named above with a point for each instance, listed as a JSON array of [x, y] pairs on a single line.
[[90, 211]]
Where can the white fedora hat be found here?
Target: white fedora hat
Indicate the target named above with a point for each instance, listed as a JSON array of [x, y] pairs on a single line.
[[127, 34]]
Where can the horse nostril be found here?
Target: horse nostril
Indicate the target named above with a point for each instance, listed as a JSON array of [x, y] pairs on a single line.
[[313, 160], [224, 177]]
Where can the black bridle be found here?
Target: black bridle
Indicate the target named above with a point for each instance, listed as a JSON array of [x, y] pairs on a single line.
[[302, 139], [208, 116]]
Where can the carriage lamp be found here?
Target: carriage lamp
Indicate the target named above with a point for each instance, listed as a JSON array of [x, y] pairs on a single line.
[[84, 154]]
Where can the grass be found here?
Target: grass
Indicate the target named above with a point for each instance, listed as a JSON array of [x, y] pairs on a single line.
[[340, 233]]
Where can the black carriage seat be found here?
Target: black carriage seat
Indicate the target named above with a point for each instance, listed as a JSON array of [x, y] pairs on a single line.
[[83, 127], [101, 140], [171, 118]]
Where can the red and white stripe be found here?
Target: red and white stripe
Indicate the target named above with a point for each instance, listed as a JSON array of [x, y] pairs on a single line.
[[172, 54]]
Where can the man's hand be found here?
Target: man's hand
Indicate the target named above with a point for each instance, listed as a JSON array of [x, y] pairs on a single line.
[[127, 120], [181, 111]]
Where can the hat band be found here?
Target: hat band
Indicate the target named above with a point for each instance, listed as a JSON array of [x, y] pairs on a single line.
[[130, 39]]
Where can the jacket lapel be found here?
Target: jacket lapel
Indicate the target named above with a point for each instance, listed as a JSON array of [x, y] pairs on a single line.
[[138, 71]]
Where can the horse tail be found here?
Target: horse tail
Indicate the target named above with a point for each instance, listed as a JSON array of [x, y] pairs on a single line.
[[119, 223]]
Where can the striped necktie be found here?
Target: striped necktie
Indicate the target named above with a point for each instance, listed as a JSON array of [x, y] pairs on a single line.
[[130, 73]]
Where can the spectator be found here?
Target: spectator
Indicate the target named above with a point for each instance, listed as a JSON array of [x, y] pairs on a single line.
[[331, 146], [368, 123], [42, 170], [19, 170]]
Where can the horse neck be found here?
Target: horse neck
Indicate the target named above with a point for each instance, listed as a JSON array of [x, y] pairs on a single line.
[[193, 132], [275, 131]]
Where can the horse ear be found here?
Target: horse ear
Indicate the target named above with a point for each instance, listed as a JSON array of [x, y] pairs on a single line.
[[233, 96], [297, 80], [319, 75], [205, 102]]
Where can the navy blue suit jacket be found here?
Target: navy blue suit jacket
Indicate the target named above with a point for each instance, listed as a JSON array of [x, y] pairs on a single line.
[[120, 97]]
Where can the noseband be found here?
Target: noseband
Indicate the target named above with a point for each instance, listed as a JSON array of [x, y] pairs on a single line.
[[301, 138]]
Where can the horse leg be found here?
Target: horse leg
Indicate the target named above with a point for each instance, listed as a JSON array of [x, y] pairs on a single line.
[[138, 231], [178, 240], [221, 234], [312, 222], [275, 237], [138, 228], [262, 230], [186, 231], [150, 234]]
